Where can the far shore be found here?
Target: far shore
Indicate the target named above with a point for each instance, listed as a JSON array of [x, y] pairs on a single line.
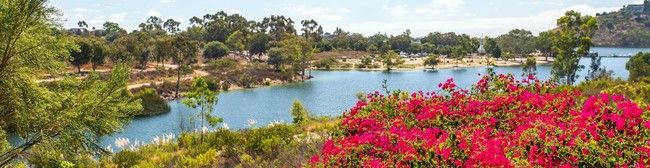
[[445, 63]]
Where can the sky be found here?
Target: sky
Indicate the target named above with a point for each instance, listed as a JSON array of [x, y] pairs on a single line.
[[475, 18]]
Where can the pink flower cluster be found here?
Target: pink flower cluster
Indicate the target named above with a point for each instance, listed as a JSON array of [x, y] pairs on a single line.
[[500, 122]]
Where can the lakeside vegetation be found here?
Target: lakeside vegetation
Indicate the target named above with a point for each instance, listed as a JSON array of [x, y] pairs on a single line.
[[499, 122]]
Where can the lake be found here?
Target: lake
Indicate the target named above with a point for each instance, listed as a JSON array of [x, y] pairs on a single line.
[[330, 93]]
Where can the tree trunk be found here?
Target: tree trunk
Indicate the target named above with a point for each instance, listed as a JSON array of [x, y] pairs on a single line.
[[79, 69], [178, 80]]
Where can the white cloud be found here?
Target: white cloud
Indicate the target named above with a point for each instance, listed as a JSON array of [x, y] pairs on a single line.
[[167, 1], [398, 10], [536, 23], [85, 10], [117, 18], [98, 20], [80, 16], [153, 13], [344, 10], [332, 17], [450, 3], [422, 10]]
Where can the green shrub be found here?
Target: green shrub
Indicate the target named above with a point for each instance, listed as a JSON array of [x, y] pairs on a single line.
[[225, 86], [213, 85], [126, 158], [152, 104]]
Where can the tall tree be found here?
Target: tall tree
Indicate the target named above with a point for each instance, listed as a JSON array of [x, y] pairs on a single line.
[[81, 55], [100, 52], [185, 50], [517, 41], [172, 26], [154, 23], [571, 40], [56, 122], [544, 43]]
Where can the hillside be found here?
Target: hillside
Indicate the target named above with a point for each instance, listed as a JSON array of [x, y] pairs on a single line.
[[623, 29]]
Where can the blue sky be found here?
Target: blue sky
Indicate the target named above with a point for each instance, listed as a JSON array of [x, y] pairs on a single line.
[[476, 17]]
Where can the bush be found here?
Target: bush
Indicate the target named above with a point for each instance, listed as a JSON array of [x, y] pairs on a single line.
[[498, 123], [152, 104], [126, 158], [215, 49], [213, 85], [225, 86], [326, 63]]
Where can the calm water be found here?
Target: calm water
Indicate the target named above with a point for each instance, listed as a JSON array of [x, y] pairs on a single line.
[[330, 93]]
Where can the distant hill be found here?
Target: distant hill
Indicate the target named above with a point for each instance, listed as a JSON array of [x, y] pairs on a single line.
[[628, 27]]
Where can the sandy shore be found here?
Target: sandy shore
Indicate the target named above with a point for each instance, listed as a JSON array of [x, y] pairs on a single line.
[[445, 63]]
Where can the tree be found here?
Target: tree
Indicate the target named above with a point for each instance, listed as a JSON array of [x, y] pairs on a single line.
[[596, 72], [517, 41], [544, 43], [276, 57], [100, 51], [214, 50], [81, 55], [203, 98], [257, 43], [236, 42], [163, 49], [299, 113], [400, 43], [172, 26], [113, 31], [530, 67], [185, 50], [571, 40], [154, 23], [152, 103], [639, 66], [390, 59], [366, 60], [432, 60]]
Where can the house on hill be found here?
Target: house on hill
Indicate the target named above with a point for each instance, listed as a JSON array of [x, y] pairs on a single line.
[[639, 8]]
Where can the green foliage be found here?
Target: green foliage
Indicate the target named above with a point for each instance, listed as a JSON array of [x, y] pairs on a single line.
[[225, 86], [366, 60], [299, 113], [214, 50], [571, 40], [236, 41], [517, 41], [431, 60], [639, 66], [596, 72], [213, 85], [257, 43], [203, 98], [82, 55], [223, 63], [276, 57], [390, 59], [326, 63], [152, 104], [530, 67], [127, 158]]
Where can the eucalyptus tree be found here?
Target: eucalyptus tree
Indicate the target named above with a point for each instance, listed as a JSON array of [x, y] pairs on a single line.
[[311, 30], [517, 41], [571, 40], [171, 26], [59, 121], [154, 23], [185, 49], [100, 52]]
